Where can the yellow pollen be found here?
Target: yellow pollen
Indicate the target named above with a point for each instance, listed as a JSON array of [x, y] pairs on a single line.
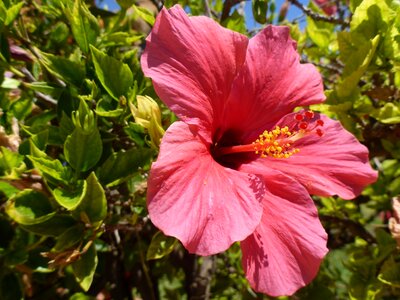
[[276, 143]]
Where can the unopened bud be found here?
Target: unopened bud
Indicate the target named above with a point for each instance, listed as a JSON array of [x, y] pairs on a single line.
[[147, 114]]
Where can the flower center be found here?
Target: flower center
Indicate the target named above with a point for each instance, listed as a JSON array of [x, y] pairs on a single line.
[[278, 142]]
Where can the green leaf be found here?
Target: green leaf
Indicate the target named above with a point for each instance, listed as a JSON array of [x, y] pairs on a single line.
[[70, 197], [10, 83], [85, 267], [40, 139], [393, 147], [388, 114], [115, 76], [3, 14], [21, 108], [69, 238], [236, 22], [59, 33], [83, 148], [63, 68], [390, 273], [120, 39], [29, 207], [136, 133], [11, 163], [94, 203], [7, 189], [84, 25], [121, 165], [391, 44], [81, 296], [52, 170], [13, 12], [106, 108], [321, 33], [260, 10], [371, 18], [160, 246], [144, 14], [356, 65], [83, 151], [45, 88], [125, 4], [54, 226]]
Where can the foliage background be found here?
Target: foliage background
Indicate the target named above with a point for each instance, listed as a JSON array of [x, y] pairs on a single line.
[[76, 148]]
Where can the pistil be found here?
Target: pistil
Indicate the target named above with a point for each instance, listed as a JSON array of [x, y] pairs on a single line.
[[278, 142]]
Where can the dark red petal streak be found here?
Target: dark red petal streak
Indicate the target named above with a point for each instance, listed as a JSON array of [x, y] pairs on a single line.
[[193, 62], [193, 198], [332, 164], [272, 83], [285, 251]]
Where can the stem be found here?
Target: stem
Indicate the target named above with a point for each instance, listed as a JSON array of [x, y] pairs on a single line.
[[145, 268], [318, 17], [203, 274]]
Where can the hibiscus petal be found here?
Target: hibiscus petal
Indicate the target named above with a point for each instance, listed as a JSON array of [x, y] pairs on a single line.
[[272, 82], [193, 62], [195, 199], [334, 164], [285, 251]]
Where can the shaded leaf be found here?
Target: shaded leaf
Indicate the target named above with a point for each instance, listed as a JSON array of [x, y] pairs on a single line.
[[29, 207], [63, 68], [54, 226], [94, 203], [85, 267], [122, 164], [69, 238], [70, 197], [160, 246]]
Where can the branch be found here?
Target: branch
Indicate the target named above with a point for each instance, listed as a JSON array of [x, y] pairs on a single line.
[[318, 17], [201, 284], [46, 98], [356, 228], [228, 4]]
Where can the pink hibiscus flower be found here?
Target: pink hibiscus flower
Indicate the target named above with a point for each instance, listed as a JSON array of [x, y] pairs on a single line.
[[328, 6], [240, 165]]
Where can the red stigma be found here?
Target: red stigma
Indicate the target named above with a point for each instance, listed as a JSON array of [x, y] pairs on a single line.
[[309, 114], [320, 122], [298, 117], [319, 132], [303, 125]]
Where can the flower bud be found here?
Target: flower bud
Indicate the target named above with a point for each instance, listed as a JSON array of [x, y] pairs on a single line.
[[147, 114]]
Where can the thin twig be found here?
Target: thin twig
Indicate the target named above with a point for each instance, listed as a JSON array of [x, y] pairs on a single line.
[[324, 66], [207, 9], [40, 95], [318, 17]]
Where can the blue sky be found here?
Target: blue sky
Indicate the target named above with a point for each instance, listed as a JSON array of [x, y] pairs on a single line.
[[293, 12]]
